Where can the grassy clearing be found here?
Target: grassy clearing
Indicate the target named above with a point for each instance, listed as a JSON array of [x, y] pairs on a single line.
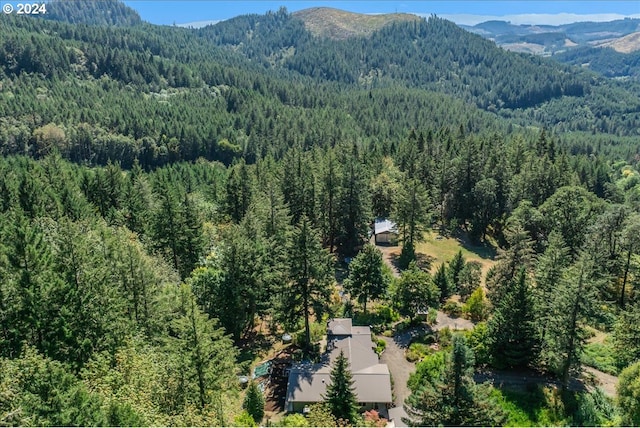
[[338, 24], [536, 407], [440, 249]]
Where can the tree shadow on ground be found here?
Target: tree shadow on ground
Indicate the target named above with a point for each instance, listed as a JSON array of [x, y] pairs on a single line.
[[484, 250], [423, 261], [252, 346]]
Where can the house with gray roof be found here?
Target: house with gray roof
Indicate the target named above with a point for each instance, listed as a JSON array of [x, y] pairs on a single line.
[[308, 382]]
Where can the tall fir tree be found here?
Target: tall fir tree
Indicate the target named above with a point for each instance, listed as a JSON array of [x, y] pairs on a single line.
[[354, 204], [412, 215], [511, 330], [340, 396], [254, 402], [441, 281], [454, 400], [367, 277], [309, 278]]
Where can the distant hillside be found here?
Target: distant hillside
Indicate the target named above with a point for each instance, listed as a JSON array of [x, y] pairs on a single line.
[[339, 24], [91, 12], [549, 39], [581, 43], [627, 44]]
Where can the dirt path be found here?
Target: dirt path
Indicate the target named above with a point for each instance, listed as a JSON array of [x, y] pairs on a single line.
[[603, 380]]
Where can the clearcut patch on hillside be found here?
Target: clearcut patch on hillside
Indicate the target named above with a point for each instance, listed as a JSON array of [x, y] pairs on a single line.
[[340, 25]]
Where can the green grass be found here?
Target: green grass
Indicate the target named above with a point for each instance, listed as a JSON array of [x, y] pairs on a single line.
[[535, 407], [443, 249], [600, 356], [339, 24]]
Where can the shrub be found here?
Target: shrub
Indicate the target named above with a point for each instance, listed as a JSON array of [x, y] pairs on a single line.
[[429, 370], [601, 356], [476, 308], [445, 336], [453, 309], [244, 419], [432, 316], [294, 420], [417, 351], [478, 341]]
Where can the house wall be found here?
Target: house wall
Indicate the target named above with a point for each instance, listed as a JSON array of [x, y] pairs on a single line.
[[386, 238]]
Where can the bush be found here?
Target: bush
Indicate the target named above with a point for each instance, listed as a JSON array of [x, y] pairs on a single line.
[[387, 314], [476, 308], [601, 356], [294, 420], [445, 337], [381, 345], [429, 370], [478, 340], [629, 394], [417, 351], [453, 309], [432, 316], [244, 419]]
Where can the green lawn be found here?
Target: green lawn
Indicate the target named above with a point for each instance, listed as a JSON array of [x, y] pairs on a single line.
[[440, 249]]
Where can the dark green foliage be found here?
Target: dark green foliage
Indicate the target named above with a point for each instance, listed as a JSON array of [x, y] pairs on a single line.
[[411, 214], [571, 304], [414, 292], [518, 255], [40, 391], [309, 278], [354, 204], [455, 399], [628, 389], [367, 277], [513, 339], [106, 12], [626, 337], [254, 402], [441, 281], [340, 396], [455, 268], [469, 279]]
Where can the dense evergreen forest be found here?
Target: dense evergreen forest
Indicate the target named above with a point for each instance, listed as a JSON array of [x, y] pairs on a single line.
[[170, 196]]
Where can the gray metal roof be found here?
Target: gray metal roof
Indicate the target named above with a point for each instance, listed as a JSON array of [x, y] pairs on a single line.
[[372, 382], [384, 225]]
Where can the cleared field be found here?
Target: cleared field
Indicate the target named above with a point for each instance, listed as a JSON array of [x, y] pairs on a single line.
[[438, 249]]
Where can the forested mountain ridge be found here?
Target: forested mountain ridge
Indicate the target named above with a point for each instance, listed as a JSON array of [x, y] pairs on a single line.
[[258, 87], [103, 12]]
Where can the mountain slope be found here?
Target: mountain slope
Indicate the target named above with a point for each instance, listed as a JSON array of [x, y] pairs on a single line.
[[91, 12], [339, 24], [627, 44]]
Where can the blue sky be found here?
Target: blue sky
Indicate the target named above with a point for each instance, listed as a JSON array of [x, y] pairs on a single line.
[[181, 12]]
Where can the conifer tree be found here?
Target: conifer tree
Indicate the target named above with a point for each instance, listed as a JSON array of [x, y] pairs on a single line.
[[354, 205], [309, 278], [512, 333], [412, 216], [572, 302], [367, 278], [441, 281], [455, 400], [340, 396], [254, 402], [456, 265]]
